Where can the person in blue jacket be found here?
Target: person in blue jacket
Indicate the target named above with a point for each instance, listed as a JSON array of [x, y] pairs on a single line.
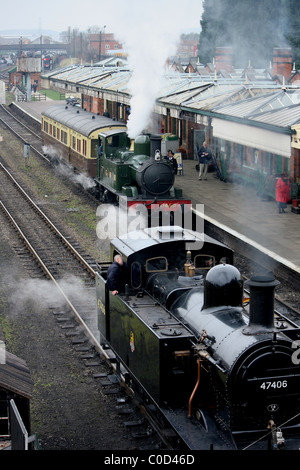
[[204, 157], [116, 275]]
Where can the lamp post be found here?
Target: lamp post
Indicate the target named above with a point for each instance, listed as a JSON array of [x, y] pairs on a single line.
[[100, 41]]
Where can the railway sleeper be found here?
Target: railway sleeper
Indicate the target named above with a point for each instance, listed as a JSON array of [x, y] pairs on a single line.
[[125, 410], [88, 356], [137, 422], [82, 348], [68, 326]]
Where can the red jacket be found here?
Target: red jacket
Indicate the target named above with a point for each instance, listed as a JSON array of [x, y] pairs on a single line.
[[283, 190]]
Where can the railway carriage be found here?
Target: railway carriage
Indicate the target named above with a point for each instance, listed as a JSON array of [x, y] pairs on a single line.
[[75, 135], [221, 376]]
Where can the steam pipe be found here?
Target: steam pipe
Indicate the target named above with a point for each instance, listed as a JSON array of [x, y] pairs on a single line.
[[195, 388]]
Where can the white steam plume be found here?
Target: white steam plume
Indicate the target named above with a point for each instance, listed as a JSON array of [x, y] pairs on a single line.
[[44, 293], [150, 32], [64, 169]]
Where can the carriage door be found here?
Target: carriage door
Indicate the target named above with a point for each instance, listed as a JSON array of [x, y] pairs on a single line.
[[199, 138]]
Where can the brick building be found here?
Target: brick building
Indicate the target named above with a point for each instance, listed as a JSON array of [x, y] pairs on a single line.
[[102, 44]]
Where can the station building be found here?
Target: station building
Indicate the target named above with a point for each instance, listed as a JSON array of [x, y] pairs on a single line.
[[250, 118]]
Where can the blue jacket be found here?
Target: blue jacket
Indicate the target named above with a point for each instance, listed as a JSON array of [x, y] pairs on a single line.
[[204, 155], [116, 276]]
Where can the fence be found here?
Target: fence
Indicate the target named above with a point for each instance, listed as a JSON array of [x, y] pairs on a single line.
[[38, 97]]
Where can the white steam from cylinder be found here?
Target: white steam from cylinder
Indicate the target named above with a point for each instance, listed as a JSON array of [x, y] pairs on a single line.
[[150, 32]]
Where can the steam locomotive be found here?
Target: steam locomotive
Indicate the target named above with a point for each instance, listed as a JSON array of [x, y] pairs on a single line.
[[124, 172], [222, 375]]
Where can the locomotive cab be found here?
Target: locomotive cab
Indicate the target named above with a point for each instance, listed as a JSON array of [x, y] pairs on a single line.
[[138, 324], [115, 144]]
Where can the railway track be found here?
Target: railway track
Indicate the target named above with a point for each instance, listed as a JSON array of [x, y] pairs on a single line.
[[27, 134], [22, 132], [31, 136], [57, 257], [73, 276]]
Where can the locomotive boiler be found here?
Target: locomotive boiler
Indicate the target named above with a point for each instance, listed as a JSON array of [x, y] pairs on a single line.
[[223, 377]]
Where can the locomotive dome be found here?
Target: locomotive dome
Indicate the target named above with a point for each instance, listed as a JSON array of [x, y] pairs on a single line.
[[223, 286]]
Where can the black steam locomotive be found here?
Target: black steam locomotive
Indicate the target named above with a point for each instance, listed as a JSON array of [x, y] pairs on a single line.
[[221, 377]]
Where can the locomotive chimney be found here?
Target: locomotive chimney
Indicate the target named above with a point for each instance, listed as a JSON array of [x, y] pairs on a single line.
[[262, 296], [155, 144]]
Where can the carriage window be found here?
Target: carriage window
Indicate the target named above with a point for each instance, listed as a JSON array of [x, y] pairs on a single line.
[[157, 264], [204, 261], [136, 275], [64, 137], [84, 147], [94, 148]]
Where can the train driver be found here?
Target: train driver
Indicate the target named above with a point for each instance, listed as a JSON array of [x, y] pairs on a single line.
[[117, 275]]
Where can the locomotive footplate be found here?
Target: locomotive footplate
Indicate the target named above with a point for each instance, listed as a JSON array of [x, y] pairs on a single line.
[[198, 435]]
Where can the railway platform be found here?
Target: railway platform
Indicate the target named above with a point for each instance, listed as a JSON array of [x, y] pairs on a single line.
[[234, 207], [240, 211]]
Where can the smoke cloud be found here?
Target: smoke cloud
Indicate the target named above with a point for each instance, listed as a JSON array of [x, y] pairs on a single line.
[[66, 170], [150, 32], [44, 293]]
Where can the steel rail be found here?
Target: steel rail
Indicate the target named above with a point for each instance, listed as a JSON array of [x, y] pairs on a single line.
[[90, 335], [48, 221], [19, 135], [19, 122], [91, 271]]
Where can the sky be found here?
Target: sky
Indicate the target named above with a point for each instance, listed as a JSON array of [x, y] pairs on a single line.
[[149, 31], [60, 14]]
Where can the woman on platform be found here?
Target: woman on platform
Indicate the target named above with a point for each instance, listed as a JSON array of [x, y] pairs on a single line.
[[283, 192]]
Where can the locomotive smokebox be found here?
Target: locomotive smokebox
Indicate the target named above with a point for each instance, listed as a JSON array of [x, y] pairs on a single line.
[[262, 296]]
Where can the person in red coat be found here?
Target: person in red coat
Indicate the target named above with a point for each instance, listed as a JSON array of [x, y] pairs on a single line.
[[283, 192]]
